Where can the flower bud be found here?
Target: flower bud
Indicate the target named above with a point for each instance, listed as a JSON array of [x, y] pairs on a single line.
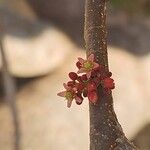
[[85, 93], [92, 96], [91, 87], [84, 77], [78, 64], [78, 98], [73, 76], [108, 83], [70, 83], [80, 86]]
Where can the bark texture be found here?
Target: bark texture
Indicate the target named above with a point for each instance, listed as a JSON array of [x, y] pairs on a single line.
[[105, 131]]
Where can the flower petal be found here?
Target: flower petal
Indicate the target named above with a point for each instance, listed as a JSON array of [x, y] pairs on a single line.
[[96, 65], [82, 70], [88, 74], [81, 60], [69, 102], [66, 87], [62, 94], [108, 83], [91, 87], [74, 89], [92, 96], [78, 99], [91, 57]]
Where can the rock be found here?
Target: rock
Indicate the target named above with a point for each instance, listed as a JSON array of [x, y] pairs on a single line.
[[20, 7], [33, 48], [67, 15], [130, 32], [36, 56], [131, 96]]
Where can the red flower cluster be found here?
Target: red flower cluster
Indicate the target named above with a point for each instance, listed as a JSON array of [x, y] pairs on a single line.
[[85, 85]]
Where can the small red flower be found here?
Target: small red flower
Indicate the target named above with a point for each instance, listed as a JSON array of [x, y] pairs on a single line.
[[88, 65], [73, 76], [80, 86], [78, 64], [108, 83], [92, 96], [71, 83], [69, 94], [79, 79], [84, 77], [78, 98], [86, 84], [91, 87]]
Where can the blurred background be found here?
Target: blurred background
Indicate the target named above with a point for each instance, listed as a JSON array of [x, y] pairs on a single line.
[[42, 40]]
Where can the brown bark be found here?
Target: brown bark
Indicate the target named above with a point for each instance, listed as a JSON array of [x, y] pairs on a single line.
[[105, 131]]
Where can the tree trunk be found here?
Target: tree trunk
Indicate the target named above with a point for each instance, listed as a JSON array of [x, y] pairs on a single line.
[[105, 131]]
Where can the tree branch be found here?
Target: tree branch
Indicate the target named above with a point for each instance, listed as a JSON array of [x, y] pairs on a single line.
[[10, 90], [105, 131]]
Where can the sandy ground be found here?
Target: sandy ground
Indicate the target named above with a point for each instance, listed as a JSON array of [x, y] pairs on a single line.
[[46, 122]]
